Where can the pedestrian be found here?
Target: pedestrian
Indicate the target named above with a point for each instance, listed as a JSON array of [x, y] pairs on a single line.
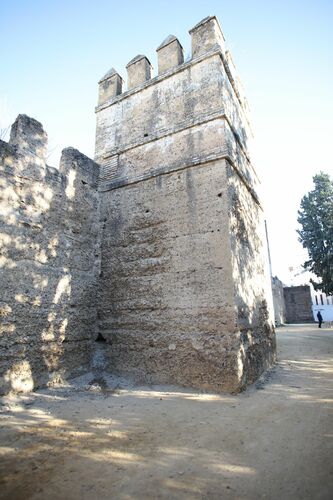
[[320, 319]]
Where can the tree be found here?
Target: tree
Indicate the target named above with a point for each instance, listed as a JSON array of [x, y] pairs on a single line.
[[316, 219]]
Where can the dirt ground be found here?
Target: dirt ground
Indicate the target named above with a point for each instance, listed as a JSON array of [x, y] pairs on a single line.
[[105, 439]]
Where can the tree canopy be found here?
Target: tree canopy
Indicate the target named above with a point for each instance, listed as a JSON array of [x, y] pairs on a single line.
[[316, 234]]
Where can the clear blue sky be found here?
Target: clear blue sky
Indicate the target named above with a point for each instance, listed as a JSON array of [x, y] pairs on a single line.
[[54, 52]]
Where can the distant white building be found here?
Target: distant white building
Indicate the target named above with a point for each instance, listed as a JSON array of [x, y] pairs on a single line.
[[323, 303]]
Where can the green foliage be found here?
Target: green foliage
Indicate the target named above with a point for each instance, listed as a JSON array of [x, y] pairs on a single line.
[[316, 219]]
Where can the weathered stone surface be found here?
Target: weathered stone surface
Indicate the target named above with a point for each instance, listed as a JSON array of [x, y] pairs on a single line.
[[278, 301], [110, 86], [206, 35], [170, 54], [160, 251], [184, 291], [251, 279], [49, 261], [28, 135], [193, 96], [138, 71]]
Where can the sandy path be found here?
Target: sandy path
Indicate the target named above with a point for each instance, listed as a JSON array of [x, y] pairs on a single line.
[[273, 441]]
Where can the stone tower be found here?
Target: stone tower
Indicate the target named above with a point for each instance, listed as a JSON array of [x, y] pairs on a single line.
[[184, 290]]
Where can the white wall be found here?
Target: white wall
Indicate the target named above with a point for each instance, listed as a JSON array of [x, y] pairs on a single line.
[[323, 303], [326, 312]]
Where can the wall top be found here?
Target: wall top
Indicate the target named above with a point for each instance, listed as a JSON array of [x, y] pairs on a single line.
[[136, 59], [28, 135], [169, 39], [207, 40], [108, 75], [204, 21]]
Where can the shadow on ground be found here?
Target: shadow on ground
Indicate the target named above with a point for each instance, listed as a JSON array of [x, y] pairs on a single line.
[[102, 438]]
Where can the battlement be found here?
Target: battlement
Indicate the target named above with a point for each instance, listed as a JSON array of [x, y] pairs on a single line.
[[207, 35], [170, 54], [28, 145], [49, 237], [28, 135], [110, 86], [206, 38], [184, 101]]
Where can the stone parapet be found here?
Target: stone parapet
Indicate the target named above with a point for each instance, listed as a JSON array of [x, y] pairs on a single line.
[[138, 71], [49, 245], [184, 290], [170, 54], [207, 39], [190, 91], [109, 86], [207, 35], [28, 135]]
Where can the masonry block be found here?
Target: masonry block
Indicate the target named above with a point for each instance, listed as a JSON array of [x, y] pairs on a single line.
[[138, 71], [28, 135], [109, 86], [207, 35], [170, 54]]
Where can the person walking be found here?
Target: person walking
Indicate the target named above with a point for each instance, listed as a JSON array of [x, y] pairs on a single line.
[[320, 319]]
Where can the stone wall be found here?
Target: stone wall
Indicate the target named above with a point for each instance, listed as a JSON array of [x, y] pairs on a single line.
[[161, 251], [278, 301], [298, 304], [49, 261], [251, 279], [184, 291]]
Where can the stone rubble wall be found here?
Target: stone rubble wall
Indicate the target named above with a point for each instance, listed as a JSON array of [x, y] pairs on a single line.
[[184, 291], [251, 280], [49, 261], [278, 301], [166, 292]]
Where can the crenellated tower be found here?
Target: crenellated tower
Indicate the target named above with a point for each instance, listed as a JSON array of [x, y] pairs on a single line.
[[184, 289]]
